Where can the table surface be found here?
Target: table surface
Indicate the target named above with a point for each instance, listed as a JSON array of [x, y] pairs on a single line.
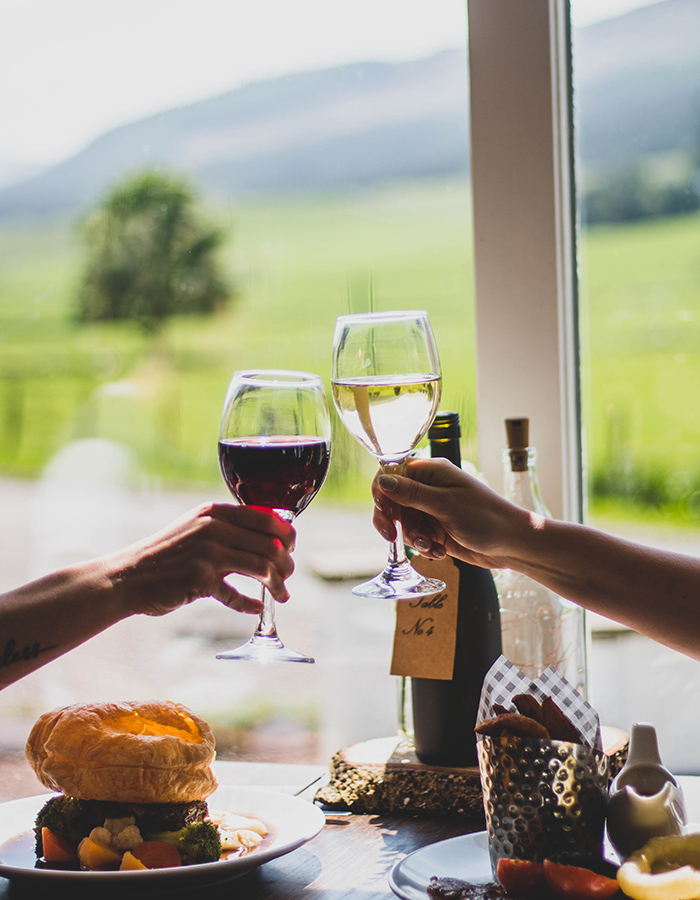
[[351, 857]]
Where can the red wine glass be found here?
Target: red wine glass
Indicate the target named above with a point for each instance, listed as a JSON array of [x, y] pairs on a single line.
[[274, 451]]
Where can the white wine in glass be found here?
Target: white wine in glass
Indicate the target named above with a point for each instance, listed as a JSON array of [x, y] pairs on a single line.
[[274, 451], [387, 382]]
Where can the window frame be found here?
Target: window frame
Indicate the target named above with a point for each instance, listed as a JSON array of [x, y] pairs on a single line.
[[524, 214]]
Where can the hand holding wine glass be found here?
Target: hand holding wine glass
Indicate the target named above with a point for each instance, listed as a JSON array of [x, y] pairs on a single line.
[[386, 387], [274, 451]]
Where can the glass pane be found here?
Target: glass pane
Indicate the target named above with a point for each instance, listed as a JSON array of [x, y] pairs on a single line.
[[637, 78], [259, 175]]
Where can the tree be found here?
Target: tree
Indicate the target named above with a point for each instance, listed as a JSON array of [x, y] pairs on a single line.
[[632, 192], [150, 255]]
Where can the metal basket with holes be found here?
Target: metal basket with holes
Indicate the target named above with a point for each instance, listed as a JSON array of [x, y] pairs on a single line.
[[542, 799]]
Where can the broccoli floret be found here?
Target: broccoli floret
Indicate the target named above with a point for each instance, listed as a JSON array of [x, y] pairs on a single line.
[[199, 842], [64, 816]]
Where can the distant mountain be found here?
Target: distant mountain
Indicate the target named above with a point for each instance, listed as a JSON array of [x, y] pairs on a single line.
[[639, 92], [13, 172], [638, 79], [352, 124]]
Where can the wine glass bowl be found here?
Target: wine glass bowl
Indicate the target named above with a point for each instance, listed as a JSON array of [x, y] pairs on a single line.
[[274, 451], [387, 382]]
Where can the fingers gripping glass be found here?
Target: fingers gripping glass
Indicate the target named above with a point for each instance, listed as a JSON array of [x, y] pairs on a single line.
[[386, 387], [274, 450]]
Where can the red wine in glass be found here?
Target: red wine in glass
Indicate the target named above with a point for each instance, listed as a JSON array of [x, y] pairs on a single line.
[[283, 473]]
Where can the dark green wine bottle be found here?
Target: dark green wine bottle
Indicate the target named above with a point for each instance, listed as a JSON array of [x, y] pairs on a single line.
[[444, 712]]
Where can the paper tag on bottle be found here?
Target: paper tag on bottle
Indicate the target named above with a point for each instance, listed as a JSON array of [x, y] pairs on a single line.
[[426, 628]]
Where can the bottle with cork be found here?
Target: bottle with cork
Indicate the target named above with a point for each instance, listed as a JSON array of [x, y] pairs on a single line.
[[539, 628]]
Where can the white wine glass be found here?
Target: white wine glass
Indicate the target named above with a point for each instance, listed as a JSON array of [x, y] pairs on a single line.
[[387, 382], [274, 451]]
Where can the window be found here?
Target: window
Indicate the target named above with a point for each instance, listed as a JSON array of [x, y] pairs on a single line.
[[636, 82], [114, 426], [632, 315], [338, 170]]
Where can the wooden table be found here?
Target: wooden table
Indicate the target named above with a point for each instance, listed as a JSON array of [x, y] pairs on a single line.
[[351, 857]]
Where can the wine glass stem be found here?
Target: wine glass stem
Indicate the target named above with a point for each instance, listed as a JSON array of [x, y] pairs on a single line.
[[397, 550], [266, 623]]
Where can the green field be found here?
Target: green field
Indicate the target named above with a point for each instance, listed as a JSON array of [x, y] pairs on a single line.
[[641, 364], [299, 262]]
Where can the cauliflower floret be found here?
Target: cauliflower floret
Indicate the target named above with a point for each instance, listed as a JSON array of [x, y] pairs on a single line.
[[117, 825], [101, 836], [119, 834], [127, 838]]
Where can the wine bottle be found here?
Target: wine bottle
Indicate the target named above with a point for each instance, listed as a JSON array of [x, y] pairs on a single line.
[[539, 628], [444, 711]]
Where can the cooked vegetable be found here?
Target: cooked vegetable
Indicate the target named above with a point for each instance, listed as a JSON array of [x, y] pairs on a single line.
[[157, 855], [64, 817], [576, 883], [666, 868], [129, 861], [55, 848], [520, 877], [95, 856], [119, 834], [196, 843]]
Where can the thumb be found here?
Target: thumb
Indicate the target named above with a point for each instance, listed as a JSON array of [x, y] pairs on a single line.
[[408, 492]]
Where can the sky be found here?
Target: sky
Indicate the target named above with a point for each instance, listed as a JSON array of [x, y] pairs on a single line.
[[72, 69]]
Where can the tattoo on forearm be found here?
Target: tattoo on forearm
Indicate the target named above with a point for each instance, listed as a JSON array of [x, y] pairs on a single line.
[[11, 654]]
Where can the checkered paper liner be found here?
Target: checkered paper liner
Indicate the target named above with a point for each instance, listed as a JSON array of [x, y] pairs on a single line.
[[504, 680]]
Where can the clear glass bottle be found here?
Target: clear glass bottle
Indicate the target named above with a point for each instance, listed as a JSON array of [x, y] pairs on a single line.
[[539, 628]]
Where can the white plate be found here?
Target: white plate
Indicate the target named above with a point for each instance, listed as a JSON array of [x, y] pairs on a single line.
[[465, 857], [291, 821]]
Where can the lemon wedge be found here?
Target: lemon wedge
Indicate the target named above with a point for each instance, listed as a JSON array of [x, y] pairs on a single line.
[[666, 868]]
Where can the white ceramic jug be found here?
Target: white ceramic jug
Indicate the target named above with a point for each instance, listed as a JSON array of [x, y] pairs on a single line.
[[644, 799]]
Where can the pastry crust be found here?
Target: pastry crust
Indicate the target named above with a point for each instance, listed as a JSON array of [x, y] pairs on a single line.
[[513, 724], [130, 752]]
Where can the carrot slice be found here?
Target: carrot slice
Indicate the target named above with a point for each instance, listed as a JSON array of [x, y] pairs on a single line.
[[157, 855], [55, 848], [129, 862]]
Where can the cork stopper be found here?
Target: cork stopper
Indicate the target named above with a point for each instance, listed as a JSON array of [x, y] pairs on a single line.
[[518, 434], [517, 431]]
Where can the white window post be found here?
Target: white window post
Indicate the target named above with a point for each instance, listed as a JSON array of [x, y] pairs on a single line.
[[524, 236]]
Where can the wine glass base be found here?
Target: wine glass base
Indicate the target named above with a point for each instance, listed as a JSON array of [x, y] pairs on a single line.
[[264, 649], [398, 583]]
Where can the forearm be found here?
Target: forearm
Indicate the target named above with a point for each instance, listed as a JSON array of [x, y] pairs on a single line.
[[651, 591], [43, 620], [188, 559], [445, 510]]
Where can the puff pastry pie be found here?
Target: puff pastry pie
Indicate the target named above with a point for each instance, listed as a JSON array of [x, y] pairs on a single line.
[[129, 752]]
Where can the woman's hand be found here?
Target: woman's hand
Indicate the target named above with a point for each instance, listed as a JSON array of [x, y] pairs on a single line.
[[444, 510], [192, 556]]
